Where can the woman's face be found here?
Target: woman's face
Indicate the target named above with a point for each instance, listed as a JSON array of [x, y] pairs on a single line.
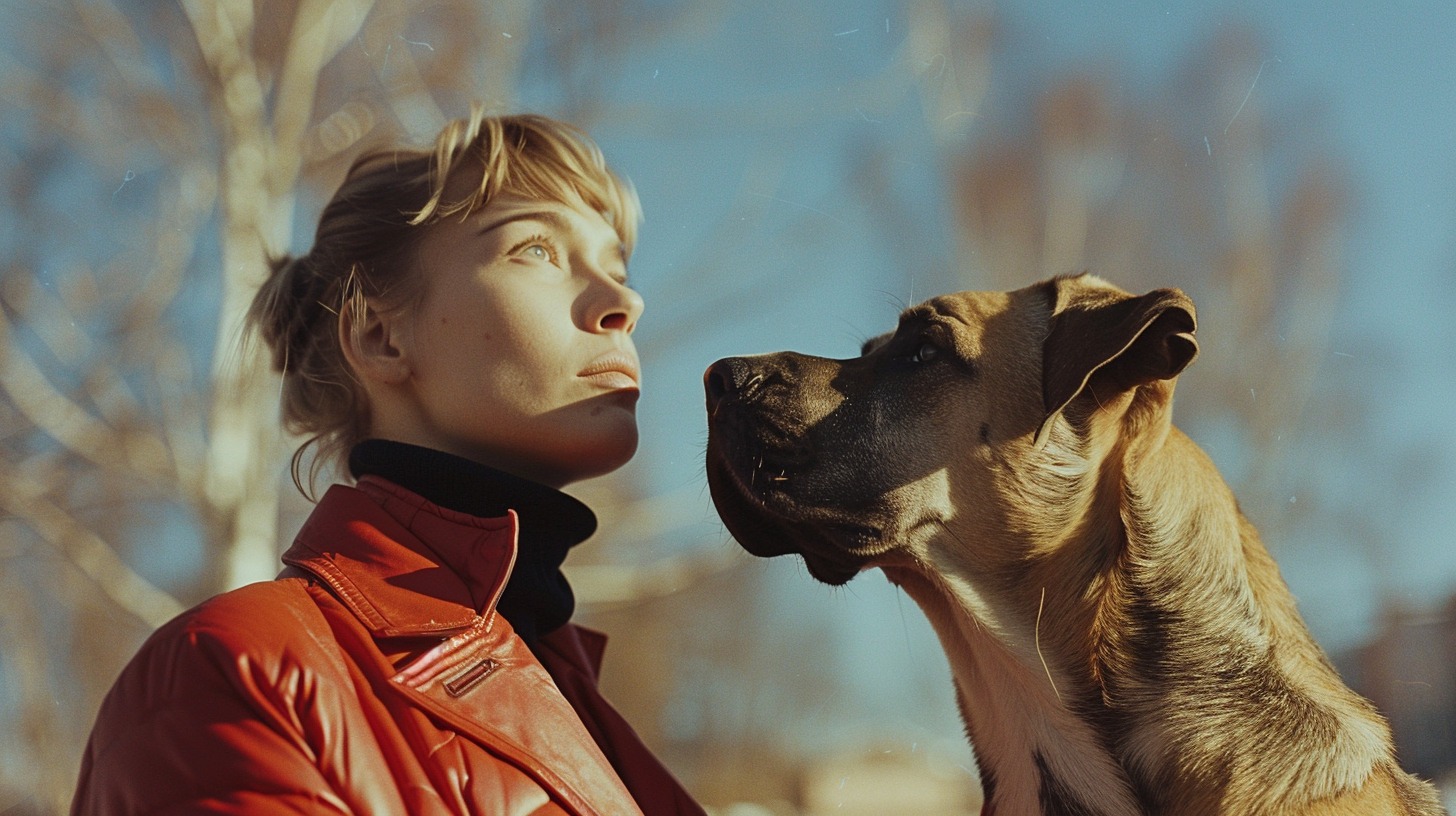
[[521, 353]]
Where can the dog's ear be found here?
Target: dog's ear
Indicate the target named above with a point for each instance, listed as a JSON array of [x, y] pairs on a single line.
[[1107, 342]]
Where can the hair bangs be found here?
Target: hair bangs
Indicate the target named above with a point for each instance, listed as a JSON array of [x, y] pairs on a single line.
[[531, 156]]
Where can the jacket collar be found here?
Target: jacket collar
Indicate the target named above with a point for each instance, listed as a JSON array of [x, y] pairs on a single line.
[[403, 565], [537, 598]]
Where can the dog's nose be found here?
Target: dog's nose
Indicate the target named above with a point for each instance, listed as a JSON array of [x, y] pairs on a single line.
[[725, 377]]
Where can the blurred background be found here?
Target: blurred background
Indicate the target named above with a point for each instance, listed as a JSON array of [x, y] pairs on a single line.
[[807, 170]]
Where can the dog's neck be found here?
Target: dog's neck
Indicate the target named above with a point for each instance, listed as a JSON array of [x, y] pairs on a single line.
[[1085, 684], [1031, 745], [1217, 669]]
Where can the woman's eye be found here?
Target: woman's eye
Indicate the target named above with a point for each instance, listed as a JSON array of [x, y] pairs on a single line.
[[536, 248]]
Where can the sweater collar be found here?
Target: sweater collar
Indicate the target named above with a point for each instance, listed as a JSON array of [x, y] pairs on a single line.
[[537, 598], [465, 486]]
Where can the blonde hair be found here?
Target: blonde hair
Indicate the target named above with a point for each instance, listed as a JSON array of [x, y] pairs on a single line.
[[365, 249]]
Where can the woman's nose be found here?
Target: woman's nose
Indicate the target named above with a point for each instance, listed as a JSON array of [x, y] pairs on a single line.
[[617, 309]]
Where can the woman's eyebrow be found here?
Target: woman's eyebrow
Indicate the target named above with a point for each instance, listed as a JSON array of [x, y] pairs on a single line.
[[548, 217]]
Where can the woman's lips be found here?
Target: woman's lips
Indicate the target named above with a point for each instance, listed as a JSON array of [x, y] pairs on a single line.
[[613, 370]]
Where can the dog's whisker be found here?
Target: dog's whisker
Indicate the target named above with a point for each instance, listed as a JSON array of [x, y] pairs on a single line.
[[1036, 639], [904, 624]]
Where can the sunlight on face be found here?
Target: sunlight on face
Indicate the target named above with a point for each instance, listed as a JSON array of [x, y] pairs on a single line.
[[522, 342]]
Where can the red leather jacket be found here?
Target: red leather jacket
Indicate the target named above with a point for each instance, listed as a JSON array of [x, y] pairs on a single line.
[[374, 676]]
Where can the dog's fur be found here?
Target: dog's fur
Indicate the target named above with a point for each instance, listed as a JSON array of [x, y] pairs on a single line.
[[1121, 642]]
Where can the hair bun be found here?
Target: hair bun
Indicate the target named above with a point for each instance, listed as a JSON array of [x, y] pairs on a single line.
[[292, 300]]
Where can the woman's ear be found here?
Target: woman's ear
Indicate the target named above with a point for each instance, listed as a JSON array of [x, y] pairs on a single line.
[[374, 341]]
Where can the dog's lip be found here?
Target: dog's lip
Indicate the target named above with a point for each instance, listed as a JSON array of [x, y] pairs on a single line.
[[837, 561], [615, 361]]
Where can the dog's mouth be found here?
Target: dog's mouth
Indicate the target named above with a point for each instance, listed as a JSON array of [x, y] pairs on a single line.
[[777, 491], [754, 494]]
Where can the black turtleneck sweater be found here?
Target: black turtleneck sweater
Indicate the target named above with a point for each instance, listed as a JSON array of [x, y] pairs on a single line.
[[537, 598]]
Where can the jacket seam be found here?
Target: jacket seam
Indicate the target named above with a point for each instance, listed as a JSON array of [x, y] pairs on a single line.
[[339, 583]]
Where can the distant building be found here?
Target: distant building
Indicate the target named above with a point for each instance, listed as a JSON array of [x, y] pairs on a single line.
[[1409, 670]]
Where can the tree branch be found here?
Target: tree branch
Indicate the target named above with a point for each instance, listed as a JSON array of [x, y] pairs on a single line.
[[65, 421], [320, 30], [23, 497]]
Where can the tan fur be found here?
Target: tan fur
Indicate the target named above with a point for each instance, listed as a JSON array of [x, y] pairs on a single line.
[[1120, 639]]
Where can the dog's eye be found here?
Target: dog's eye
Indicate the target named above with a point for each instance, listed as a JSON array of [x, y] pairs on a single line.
[[925, 352]]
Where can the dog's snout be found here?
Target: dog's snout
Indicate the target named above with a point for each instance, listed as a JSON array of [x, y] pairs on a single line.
[[725, 378]]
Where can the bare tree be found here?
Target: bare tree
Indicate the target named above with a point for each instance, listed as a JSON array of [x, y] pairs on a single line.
[[153, 154], [163, 157], [1188, 185]]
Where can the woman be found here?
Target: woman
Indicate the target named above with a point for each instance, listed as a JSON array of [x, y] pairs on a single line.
[[460, 338]]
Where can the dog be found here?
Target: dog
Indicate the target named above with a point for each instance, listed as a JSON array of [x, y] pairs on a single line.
[[1120, 640]]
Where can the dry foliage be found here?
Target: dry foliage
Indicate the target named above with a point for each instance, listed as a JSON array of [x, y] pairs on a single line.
[[153, 153]]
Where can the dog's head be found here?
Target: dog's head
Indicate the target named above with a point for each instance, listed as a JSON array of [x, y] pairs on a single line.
[[984, 416]]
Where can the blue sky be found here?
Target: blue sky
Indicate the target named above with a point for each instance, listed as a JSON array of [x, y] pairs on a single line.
[[816, 278], [1383, 77], [764, 202], [1385, 74]]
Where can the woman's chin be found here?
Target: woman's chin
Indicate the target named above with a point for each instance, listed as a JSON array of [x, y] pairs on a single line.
[[605, 459], [594, 446]]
